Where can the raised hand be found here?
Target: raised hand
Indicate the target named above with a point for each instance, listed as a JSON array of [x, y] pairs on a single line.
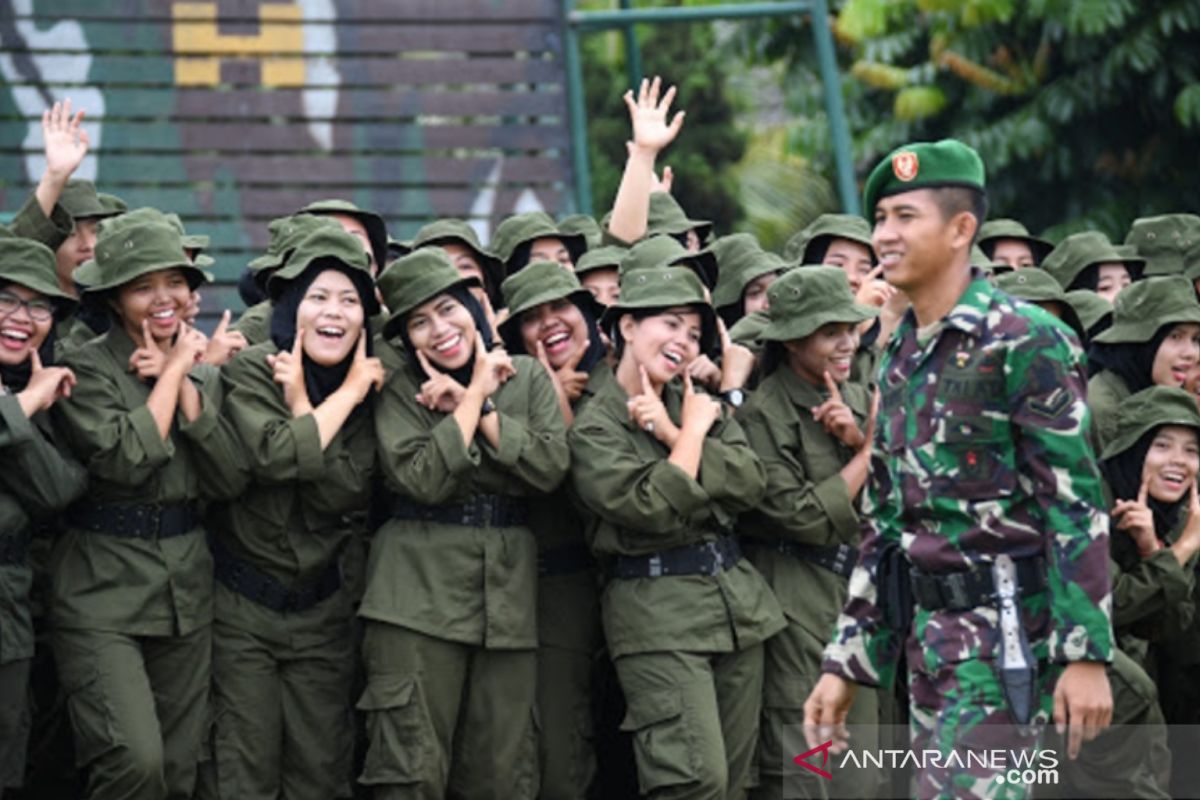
[[700, 411], [874, 291], [288, 367], [1135, 518], [188, 348], [648, 116], [737, 361], [224, 344], [440, 392], [647, 411], [366, 372], [492, 367], [837, 418], [45, 386], [657, 184], [705, 371], [66, 143], [192, 309], [567, 377], [148, 360]]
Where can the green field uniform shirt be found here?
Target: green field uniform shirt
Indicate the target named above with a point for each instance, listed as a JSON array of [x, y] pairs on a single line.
[[645, 504], [30, 222], [462, 583], [1105, 391], [255, 323], [38, 480], [140, 587], [293, 520]]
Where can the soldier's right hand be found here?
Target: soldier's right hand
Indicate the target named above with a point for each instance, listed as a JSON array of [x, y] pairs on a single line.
[[1135, 518], [825, 711], [45, 386], [440, 392], [648, 116], [288, 368]]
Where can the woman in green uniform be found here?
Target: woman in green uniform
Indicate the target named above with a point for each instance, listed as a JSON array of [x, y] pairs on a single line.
[[283, 646], [810, 426], [665, 471], [552, 317], [1154, 340], [468, 439], [39, 480], [131, 578]]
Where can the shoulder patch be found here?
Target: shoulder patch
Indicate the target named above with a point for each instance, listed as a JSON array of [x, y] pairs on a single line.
[[1053, 406]]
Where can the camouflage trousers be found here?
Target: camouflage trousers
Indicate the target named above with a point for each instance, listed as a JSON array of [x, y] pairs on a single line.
[[961, 706]]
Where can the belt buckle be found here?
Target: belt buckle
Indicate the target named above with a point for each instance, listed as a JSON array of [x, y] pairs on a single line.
[[956, 590], [718, 558], [152, 514], [655, 566], [487, 509]]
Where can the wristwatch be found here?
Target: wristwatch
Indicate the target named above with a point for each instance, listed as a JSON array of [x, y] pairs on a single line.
[[488, 407], [735, 397]]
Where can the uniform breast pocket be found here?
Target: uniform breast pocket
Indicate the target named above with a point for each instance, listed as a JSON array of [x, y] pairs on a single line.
[[976, 459]]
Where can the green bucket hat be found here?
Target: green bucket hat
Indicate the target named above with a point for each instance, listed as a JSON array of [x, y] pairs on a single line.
[[416, 278], [1163, 241], [327, 245], [826, 227], [583, 225], [608, 257], [521, 229], [130, 249], [740, 260], [663, 251], [923, 165], [1191, 263], [376, 228], [805, 299], [195, 241], [1148, 409], [80, 200], [285, 233], [666, 217], [1144, 307], [1091, 308], [456, 230], [1038, 286], [996, 229], [32, 265], [397, 248], [663, 288], [980, 259], [1079, 251], [541, 282]]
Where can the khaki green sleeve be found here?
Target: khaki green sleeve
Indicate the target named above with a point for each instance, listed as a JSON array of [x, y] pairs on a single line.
[[533, 440], [43, 478], [730, 472], [1154, 596], [30, 222], [215, 445]]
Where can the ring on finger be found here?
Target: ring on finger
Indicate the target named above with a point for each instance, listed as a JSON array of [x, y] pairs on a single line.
[[648, 427]]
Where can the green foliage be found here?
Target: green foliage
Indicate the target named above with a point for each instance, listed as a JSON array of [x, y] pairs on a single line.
[[1084, 111]]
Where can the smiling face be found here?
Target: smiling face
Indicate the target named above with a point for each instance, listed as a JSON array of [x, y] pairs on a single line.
[[1177, 355], [1111, 279], [331, 314], [161, 297], [551, 248], [915, 242], [665, 344], [604, 284], [853, 258], [444, 331], [1171, 463], [830, 349], [1016, 253], [559, 326], [79, 247], [754, 296], [20, 332]]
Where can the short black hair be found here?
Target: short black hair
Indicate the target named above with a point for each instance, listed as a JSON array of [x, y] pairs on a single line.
[[953, 200]]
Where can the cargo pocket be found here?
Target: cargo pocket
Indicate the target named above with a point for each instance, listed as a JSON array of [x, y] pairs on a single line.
[[397, 733], [666, 753], [91, 714]]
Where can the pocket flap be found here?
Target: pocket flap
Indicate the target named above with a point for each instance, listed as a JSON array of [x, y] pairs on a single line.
[[386, 691], [651, 708]]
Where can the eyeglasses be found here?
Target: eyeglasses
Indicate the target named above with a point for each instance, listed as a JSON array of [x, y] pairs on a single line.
[[39, 310]]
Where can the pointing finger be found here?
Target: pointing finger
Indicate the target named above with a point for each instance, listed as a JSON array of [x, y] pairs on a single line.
[[360, 353], [831, 384], [875, 272], [223, 324], [647, 387], [298, 344], [1144, 491], [580, 352], [542, 357], [687, 384], [35, 361]]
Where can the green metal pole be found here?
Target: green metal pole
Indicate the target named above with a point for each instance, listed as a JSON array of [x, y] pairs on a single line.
[[633, 52], [839, 128], [619, 19], [577, 112]]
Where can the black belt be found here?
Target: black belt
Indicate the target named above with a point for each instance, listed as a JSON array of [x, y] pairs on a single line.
[[250, 582], [564, 560], [961, 591], [481, 511], [136, 522], [14, 548], [706, 558], [839, 559]]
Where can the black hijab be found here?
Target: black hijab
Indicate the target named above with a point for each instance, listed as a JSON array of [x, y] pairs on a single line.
[[1124, 475], [462, 294], [515, 343], [320, 381], [1129, 361]]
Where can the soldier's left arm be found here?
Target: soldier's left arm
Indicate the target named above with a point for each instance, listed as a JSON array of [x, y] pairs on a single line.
[[1047, 390], [533, 445], [44, 478], [217, 449], [730, 471]]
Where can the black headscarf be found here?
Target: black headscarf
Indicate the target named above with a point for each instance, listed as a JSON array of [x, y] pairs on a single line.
[[463, 295], [250, 288], [515, 343], [1129, 361], [1124, 475], [320, 381], [1089, 277]]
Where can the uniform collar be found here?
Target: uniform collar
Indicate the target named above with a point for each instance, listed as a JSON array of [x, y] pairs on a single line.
[[799, 391], [119, 342], [968, 315]]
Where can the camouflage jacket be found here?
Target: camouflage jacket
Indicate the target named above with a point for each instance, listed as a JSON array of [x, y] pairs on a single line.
[[981, 449]]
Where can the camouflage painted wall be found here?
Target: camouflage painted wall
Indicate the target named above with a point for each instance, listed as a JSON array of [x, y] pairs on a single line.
[[233, 112]]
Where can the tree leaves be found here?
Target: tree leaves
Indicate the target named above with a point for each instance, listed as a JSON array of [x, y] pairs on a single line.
[[1187, 106]]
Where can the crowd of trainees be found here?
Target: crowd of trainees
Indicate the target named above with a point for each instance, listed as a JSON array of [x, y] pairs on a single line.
[[464, 470]]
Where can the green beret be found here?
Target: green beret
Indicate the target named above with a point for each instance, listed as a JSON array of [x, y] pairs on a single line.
[[740, 261], [1079, 251], [1038, 286], [444, 231], [32, 265], [1163, 241], [1148, 409], [335, 248], [607, 257], [825, 227], [417, 278], [540, 282], [583, 225], [803, 300], [1144, 307], [923, 165], [79, 199], [527, 228], [376, 229], [666, 218], [663, 251], [663, 288], [132, 245], [1091, 308], [996, 229]]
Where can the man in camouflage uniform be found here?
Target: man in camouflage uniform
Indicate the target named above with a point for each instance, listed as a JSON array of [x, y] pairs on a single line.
[[984, 487]]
